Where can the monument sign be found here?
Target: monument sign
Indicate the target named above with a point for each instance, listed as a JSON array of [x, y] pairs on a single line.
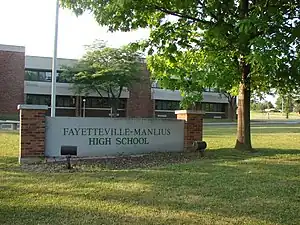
[[111, 136]]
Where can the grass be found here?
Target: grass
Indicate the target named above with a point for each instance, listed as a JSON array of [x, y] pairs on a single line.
[[260, 116], [273, 116], [211, 120], [225, 187]]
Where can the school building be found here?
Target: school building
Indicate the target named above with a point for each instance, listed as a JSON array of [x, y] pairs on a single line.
[[27, 79]]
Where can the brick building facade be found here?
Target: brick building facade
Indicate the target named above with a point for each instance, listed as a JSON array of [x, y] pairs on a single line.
[[27, 79], [12, 64]]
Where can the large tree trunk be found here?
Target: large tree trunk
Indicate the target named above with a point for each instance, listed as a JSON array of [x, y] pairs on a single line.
[[243, 141]]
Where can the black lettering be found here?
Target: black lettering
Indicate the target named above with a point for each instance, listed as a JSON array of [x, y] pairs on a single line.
[[107, 130], [141, 141], [83, 131], [118, 141], [95, 131], [93, 141], [135, 141], [123, 141], [150, 131], [146, 142], [119, 133], [108, 141], [144, 132], [101, 131], [127, 131], [137, 131], [89, 129], [71, 132], [168, 131], [65, 130], [77, 130], [104, 141]]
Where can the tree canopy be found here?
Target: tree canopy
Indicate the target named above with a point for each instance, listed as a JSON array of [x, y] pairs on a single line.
[[106, 71], [253, 44]]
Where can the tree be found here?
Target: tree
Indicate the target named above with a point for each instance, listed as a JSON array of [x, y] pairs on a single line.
[[232, 104], [106, 71], [278, 103], [297, 106], [287, 101], [259, 38], [261, 106], [269, 105], [287, 105]]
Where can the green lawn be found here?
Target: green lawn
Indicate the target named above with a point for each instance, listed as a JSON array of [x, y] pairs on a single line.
[[259, 116], [273, 116], [225, 187]]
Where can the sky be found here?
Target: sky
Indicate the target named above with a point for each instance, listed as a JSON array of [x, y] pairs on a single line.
[[30, 23]]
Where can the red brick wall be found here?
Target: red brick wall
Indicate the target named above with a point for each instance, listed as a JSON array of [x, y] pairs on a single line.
[[32, 129], [12, 65], [139, 103], [32, 133], [193, 128]]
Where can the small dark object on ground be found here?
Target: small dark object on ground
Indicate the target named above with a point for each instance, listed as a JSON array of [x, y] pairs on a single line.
[[68, 151], [200, 146]]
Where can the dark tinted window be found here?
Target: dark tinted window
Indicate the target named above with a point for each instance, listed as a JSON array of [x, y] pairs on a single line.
[[167, 105]]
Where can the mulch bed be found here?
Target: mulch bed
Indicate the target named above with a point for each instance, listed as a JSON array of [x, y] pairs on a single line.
[[113, 163]]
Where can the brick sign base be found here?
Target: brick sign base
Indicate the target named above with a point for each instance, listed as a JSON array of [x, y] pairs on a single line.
[[32, 133], [193, 127]]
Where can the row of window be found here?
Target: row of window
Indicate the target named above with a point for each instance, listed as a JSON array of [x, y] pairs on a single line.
[[70, 101], [213, 107], [156, 85], [61, 101], [175, 105], [95, 102], [167, 105], [42, 75]]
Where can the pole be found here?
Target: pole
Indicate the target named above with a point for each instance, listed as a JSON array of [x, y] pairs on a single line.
[[84, 107], [54, 64], [282, 106]]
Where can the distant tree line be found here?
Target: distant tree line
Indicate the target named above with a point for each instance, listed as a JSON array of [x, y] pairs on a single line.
[[261, 106]]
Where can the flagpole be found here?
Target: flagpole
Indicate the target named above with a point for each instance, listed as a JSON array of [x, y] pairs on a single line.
[[54, 63]]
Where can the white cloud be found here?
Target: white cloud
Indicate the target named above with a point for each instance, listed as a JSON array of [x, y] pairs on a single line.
[[30, 23]]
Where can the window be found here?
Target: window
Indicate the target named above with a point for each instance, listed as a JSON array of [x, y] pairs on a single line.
[[65, 101], [48, 76], [167, 105], [61, 101], [205, 107], [213, 107], [96, 102], [42, 75], [31, 75], [38, 99]]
